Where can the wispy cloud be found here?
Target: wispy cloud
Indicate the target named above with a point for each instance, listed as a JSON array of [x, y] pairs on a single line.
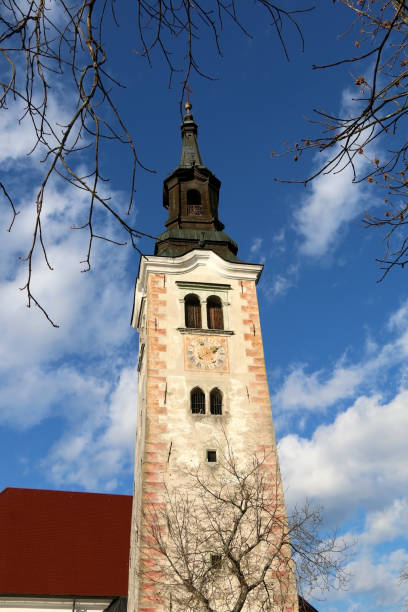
[[375, 581], [398, 321], [279, 242], [74, 376], [387, 523], [98, 451], [274, 245], [361, 456], [281, 283], [356, 462], [333, 200], [316, 391], [302, 391], [256, 246]]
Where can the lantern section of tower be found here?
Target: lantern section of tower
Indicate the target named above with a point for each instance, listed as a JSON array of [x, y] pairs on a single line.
[[202, 388]]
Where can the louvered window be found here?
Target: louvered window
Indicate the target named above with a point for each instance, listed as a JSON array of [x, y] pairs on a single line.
[[194, 206], [197, 401], [216, 401], [192, 309], [215, 319]]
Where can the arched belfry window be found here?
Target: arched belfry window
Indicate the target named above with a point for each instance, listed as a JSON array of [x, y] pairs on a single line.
[[215, 319], [192, 309], [216, 401], [197, 401], [194, 206]]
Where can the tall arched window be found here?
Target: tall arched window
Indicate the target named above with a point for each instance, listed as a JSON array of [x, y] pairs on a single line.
[[216, 401], [194, 206], [192, 310], [215, 319], [197, 401]]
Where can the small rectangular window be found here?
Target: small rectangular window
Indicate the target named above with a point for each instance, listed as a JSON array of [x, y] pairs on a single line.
[[216, 561], [212, 456]]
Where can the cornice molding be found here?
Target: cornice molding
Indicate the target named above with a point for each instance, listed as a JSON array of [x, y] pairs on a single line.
[[153, 264], [205, 332], [205, 286]]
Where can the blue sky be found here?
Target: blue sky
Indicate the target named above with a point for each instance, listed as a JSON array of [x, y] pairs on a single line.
[[336, 341]]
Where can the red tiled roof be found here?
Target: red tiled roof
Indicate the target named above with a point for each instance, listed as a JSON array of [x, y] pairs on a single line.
[[64, 543]]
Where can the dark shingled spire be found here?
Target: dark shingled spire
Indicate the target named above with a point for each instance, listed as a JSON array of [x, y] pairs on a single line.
[[190, 153], [190, 193]]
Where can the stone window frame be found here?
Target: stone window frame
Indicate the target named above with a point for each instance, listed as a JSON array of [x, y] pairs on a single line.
[[198, 388], [215, 313], [194, 208], [203, 291], [189, 304], [215, 391], [206, 386]]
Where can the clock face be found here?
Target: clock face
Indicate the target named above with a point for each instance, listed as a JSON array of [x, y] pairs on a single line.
[[206, 353]]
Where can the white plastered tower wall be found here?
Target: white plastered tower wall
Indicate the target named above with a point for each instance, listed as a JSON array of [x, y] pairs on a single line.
[[169, 436]]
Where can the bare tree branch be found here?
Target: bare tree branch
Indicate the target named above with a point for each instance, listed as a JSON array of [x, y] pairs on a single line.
[[380, 117], [42, 43], [223, 541]]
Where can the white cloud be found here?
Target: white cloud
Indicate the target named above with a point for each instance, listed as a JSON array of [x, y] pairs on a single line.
[[399, 319], [95, 453], [374, 584], [387, 524], [275, 246], [377, 580], [18, 135], [281, 283], [256, 250], [371, 346], [356, 465], [256, 246], [360, 457], [87, 307], [32, 394], [74, 374], [322, 389], [278, 242], [359, 462], [332, 202], [333, 199], [301, 391]]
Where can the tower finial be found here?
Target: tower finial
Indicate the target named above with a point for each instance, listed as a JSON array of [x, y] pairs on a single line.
[[190, 153], [188, 106]]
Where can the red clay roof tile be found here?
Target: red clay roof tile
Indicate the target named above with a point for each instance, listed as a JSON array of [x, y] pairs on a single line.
[[64, 543]]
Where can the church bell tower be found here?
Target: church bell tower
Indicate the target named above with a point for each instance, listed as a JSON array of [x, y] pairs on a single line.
[[201, 364]]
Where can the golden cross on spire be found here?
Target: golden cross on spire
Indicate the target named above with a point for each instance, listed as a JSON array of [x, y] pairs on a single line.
[[188, 106]]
